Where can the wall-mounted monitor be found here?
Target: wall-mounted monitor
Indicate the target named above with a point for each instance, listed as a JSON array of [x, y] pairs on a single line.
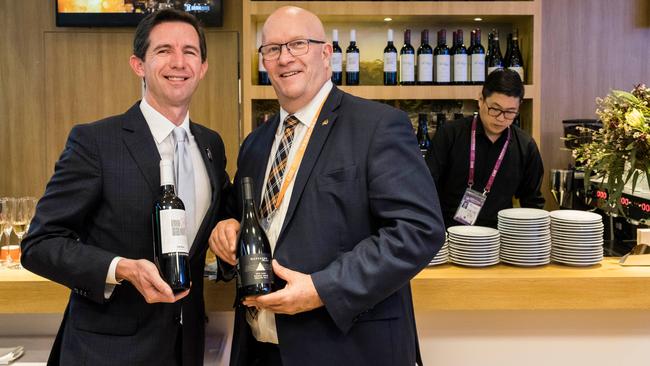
[[121, 13]]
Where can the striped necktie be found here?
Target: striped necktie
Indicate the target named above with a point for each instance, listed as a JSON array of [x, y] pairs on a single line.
[[276, 174]]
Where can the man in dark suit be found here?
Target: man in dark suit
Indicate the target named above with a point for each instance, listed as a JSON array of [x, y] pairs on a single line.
[[92, 231], [352, 226]]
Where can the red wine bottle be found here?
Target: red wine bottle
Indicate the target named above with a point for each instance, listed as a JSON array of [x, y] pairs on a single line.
[[494, 61], [337, 59], [425, 60], [477, 59], [407, 61], [254, 271], [515, 61], [352, 60], [390, 61], [442, 59], [459, 60], [171, 249]]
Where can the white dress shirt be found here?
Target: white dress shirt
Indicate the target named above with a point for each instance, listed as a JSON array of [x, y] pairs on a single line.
[[263, 326], [161, 129]]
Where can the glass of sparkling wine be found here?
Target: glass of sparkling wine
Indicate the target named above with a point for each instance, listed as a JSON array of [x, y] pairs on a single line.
[[23, 212], [7, 209]]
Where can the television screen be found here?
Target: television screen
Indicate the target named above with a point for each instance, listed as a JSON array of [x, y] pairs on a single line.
[[117, 13]]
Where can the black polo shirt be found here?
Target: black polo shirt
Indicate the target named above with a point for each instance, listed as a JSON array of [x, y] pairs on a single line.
[[520, 174]]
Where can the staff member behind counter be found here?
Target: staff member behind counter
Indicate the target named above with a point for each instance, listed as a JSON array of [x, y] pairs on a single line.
[[468, 195]]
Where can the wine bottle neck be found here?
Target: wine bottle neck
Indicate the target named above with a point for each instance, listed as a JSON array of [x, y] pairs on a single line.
[[167, 190]]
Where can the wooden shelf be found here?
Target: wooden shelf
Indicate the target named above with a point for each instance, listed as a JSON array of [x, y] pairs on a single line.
[[379, 92], [606, 286]]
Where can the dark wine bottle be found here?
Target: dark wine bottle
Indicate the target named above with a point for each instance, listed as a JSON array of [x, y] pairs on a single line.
[[171, 249], [506, 57], [516, 61], [478, 59], [390, 61], [425, 60], [254, 271], [407, 61], [423, 133], [262, 75], [442, 59], [337, 59], [495, 61], [352, 60], [459, 60]]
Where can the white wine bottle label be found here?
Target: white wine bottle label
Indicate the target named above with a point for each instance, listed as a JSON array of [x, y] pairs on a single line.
[[460, 68], [407, 67], [255, 269], [352, 62], [172, 232], [425, 67], [519, 70], [478, 67], [443, 69], [337, 62], [490, 69], [390, 62]]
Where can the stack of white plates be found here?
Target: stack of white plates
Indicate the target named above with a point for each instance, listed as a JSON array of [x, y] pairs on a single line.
[[577, 237], [525, 236], [443, 255], [473, 246]]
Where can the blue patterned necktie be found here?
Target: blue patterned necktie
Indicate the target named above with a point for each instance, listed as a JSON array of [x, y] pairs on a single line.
[[184, 174]]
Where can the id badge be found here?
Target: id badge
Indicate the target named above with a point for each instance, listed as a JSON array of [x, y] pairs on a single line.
[[470, 206]]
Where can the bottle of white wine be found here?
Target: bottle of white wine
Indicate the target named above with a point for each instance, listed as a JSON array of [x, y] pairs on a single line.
[[254, 271], [171, 250]]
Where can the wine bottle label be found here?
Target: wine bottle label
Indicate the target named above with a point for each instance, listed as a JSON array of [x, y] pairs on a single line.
[[337, 62], [260, 64], [478, 67], [519, 70], [255, 269], [172, 232], [407, 67], [460, 68], [492, 68], [443, 69], [390, 62], [353, 62], [425, 67]]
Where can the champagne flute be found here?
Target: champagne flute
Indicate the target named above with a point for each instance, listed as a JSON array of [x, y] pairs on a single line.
[[23, 213], [8, 205], [4, 213]]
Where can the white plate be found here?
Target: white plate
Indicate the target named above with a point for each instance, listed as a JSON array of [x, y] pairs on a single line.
[[526, 263], [575, 216], [476, 264], [473, 231], [523, 213]]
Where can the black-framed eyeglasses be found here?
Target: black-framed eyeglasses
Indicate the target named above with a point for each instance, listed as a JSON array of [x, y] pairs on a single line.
[[496, 112], [297, 47]]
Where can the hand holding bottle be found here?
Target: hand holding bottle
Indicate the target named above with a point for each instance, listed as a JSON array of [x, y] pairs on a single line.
[[299, 294], [144, 276], [223, 240]]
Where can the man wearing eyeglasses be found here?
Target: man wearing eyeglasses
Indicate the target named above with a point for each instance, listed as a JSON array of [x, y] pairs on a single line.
[[480, 163], [349, 208]]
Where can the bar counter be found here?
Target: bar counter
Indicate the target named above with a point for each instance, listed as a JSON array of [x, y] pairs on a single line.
[[607, 286]]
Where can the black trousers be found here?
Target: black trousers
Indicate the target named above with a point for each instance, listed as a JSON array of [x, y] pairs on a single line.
[[265, 354]]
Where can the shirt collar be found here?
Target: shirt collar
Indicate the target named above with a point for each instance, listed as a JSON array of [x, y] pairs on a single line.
[[159, 125], [307, 114]]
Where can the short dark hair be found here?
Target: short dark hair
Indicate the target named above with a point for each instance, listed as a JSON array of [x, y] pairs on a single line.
[[141, 38], [503, 81]]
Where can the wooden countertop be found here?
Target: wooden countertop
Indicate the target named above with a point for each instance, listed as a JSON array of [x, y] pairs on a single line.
[[553, 287]]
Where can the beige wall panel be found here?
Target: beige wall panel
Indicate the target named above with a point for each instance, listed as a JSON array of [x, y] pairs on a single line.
[[589, 48]]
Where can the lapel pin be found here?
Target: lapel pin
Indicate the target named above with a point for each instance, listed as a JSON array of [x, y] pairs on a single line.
[[209, 153], [325, 122]]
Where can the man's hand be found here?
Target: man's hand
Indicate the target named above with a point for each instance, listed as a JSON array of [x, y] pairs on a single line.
[[299, 295], [223, 240], [145, 277]]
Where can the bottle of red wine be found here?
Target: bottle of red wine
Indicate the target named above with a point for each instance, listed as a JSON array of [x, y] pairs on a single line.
[[171, 249], [262, 75], [337, 59], [459, 60], [254, 271], [442, 59], [495, 61], [506, 57], [407, 61], [390, 61], [425, 60], [515, 61], [423, 133], [352, 60], [478, 59]]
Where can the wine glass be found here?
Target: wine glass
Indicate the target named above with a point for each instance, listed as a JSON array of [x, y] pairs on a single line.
[[4, 213], [6, 219], [23, 211]]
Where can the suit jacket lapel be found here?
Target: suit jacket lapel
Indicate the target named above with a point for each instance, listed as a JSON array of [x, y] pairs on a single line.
[[139, 141], [323, 126], [267, 136]]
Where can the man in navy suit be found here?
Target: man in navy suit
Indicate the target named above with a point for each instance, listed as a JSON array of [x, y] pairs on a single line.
[[350, 210], [92, 231]]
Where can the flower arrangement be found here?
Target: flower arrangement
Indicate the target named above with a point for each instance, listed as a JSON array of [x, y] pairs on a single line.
[[620, 150]]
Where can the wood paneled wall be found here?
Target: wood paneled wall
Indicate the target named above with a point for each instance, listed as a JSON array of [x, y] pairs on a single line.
[[588, 48], [53, 78]]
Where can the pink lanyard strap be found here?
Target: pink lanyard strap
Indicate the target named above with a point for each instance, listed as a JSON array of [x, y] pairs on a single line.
[[472, 159]]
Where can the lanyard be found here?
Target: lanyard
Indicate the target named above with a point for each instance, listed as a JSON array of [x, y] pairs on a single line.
[[296, 160], [472, 159]]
